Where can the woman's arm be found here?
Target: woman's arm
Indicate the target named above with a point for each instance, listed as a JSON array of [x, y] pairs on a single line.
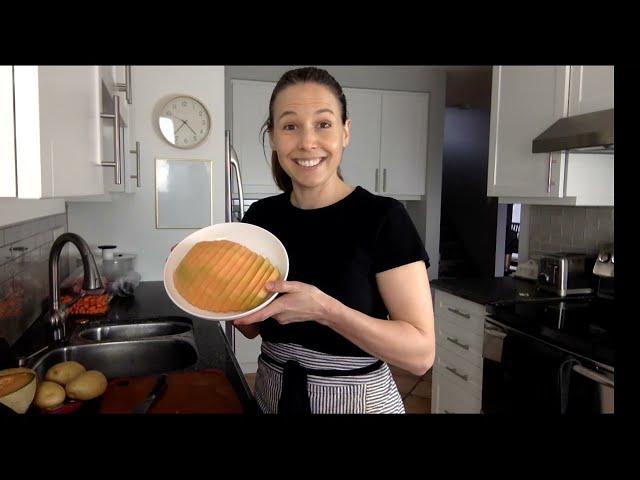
[[408, 341]]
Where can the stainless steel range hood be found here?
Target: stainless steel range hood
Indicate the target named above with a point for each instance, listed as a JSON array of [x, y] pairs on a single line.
[[587, 133]]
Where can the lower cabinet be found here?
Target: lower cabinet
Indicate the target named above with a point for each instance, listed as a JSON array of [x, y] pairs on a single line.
[[457, 370]]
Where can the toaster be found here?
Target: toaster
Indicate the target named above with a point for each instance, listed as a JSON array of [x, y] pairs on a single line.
[[566, 274]]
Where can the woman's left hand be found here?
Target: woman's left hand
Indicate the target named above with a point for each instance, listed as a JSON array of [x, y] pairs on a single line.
[[301, 302]]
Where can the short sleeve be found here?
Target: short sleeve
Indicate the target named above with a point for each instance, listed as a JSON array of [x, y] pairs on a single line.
[[397, 242], [250, 215]]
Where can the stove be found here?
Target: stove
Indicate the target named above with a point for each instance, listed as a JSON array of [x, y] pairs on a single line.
[[581, 325]]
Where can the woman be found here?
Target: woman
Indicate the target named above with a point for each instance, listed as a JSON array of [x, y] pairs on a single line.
[[357, 296]]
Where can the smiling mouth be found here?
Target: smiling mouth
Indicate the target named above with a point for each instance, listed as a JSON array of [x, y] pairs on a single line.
[[309, 162]]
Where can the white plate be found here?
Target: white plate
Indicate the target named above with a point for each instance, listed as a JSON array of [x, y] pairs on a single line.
[[253, 237]]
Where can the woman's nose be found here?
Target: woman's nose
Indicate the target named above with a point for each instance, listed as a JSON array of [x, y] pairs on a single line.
[[308, 138]]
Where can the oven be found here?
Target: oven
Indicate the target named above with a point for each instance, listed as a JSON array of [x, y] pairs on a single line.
[[524, 373]]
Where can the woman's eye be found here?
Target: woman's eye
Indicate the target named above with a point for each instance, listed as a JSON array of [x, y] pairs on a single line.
[[288, 126], [325, 124]]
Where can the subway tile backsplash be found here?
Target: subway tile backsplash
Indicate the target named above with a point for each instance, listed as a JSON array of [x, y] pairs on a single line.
[[24, 276], [569, 229]]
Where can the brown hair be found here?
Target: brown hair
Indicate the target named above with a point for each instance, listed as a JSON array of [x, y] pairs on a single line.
[[293, 77]]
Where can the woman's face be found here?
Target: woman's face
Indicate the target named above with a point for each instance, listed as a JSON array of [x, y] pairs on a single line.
[[308, 133]]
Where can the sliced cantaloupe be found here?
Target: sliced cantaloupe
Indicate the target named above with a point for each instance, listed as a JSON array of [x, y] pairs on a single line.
[[223, 276]]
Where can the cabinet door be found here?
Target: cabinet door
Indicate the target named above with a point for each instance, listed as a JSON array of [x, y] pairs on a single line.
[[127, 138], [250, 111], [57, 131], [7, 132], [591, 88], [403, 149], [361, 159], [525, 101]]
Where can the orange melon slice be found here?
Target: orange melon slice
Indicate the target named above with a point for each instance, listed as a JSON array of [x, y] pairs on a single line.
[[223, 276]]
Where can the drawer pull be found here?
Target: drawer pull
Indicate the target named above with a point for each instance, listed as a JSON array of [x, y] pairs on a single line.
[[458, 312], [455, 372], [456, 342]]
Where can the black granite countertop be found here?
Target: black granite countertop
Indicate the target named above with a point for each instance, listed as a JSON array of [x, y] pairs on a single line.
[[151, 300], [490, 290]]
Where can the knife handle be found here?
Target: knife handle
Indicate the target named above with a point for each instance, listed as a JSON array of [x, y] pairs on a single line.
[[160, 385]]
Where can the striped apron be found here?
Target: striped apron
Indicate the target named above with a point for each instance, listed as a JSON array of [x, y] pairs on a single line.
[[295, 379]]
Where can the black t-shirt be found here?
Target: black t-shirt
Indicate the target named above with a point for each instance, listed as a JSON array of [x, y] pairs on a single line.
[[339, 249]]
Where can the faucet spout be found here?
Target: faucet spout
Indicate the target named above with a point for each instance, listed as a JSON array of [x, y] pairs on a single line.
[[92, 279]]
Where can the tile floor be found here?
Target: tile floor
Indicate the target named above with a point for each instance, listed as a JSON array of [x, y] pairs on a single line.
[[415, 391]]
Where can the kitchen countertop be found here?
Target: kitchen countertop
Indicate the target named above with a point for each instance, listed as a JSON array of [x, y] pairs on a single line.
[[151, 300], [490, 290]]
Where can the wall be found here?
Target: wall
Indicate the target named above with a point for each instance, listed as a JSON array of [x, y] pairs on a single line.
[[568, 229], [425, 213], [24, 280], [465, 204], [128, 221]]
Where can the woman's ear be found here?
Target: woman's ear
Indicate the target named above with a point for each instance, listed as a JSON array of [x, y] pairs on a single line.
[[271, 140], [347, 133]]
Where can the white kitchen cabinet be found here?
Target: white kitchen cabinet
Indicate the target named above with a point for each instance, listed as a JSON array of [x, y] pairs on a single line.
[[8, 186], [457, 370], [361, 159], [526, 100], [129, 150], [387, 153], [250, 111], [403, 150], [591, 88], [57, 125]]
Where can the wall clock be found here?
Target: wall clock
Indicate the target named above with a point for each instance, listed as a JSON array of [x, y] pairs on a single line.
[[184, 121]]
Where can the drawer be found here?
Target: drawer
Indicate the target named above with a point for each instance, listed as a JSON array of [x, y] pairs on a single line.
[[466, 343], [450, 398], [463, 313], [458, 370]]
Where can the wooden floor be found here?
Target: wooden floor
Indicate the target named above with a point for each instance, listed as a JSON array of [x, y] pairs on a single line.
[[415, 391]]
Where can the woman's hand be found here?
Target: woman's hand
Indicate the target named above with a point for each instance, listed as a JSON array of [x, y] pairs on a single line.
[[300, 303]]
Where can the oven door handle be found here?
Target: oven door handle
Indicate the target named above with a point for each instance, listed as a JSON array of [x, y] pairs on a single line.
[[593, 375]]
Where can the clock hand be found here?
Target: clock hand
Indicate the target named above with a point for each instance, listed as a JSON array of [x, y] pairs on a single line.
[[183, 124], [190, 128]]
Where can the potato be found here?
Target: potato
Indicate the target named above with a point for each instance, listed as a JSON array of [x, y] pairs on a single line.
[[87, 385], [49, 395], [64, 372]]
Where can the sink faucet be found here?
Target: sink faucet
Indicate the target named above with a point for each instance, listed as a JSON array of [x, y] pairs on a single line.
[[92, 280]]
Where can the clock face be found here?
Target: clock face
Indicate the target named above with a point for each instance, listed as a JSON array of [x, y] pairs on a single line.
[[184, 122]]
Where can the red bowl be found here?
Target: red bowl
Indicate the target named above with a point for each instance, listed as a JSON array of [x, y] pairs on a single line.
[[69, 407]]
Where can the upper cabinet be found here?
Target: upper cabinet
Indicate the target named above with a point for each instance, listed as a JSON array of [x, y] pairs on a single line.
[[387, 153], [124, 150], [57, 121], [526, 100], [250, 111], [591, 89], [8, 185]]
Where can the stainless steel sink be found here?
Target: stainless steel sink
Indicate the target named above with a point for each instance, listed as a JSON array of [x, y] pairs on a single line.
[[134, 331], [129, 358]]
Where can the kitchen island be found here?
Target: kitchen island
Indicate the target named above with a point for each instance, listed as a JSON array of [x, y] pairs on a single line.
[[151, 301]]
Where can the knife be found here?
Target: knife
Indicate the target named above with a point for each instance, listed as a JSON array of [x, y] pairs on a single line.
[[157, 389]]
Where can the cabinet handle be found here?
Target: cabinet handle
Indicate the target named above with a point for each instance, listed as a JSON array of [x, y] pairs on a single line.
[[137, 152], [455, 372], [549, 176], [384, 179], [117, 140], [458, 312], [126, 87], [234, 163], [456, 342], [377, 180]]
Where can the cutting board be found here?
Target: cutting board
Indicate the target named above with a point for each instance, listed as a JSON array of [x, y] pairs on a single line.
[[204, 391]]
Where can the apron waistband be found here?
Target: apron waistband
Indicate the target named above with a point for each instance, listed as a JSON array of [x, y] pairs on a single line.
[[327, 372]]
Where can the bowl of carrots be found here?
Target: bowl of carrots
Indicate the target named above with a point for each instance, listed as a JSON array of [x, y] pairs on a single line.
[[88, 304]]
